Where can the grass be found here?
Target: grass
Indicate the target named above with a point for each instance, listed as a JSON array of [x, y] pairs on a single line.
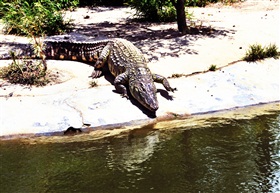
[[271, 51], [259, 52], [213, 67], [93, 84]]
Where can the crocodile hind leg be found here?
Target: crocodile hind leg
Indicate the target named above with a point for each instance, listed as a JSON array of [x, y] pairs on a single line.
[[161, 79]]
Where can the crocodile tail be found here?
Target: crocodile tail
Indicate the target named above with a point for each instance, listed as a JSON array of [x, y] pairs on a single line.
[[76, 51]]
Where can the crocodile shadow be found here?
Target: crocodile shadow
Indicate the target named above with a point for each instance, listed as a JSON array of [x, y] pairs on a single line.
[[147, 112], [165, 94]]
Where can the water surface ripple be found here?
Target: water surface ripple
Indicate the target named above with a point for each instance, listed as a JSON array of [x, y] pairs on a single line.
[[239, 156]]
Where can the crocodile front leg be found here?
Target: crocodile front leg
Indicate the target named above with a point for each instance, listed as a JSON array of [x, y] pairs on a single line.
[[99, 64], [119, 83], [161, 79]]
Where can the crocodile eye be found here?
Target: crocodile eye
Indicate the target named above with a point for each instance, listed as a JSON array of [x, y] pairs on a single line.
[[142, 71], [136, 89]]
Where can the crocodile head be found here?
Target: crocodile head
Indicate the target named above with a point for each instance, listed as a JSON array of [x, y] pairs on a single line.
[[144, 90], [145, 94]]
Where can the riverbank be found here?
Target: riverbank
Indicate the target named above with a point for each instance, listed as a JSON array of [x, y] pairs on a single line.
[[55, 108], [29, 111]]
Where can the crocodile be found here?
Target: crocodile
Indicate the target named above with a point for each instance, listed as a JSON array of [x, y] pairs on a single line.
[[124, 60]]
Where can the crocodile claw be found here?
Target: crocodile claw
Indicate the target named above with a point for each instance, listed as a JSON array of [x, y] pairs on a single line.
[[125, 96], [96, 73], [173, 89]]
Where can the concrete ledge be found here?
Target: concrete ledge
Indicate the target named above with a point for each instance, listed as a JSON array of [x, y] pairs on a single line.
[[55, 108]]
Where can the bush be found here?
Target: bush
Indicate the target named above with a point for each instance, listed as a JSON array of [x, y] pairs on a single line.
[[163, 10], [257, 52], [35, 18], [25, 72], [153, 10], [271, 51]]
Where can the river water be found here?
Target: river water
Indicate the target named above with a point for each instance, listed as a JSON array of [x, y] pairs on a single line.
[[237, 156]]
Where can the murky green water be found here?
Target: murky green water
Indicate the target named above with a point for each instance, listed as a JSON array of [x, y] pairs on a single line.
[[243, 156]]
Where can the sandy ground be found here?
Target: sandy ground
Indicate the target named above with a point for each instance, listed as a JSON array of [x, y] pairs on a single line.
[[224, 34]]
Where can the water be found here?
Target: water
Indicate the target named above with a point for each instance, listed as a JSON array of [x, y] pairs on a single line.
[[240, 156]]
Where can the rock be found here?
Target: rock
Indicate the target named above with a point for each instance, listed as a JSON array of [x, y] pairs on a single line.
[[72, 131]]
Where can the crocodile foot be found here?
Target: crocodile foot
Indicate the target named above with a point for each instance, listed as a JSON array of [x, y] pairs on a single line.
[[125, 96], [172, 89], [96, 73]]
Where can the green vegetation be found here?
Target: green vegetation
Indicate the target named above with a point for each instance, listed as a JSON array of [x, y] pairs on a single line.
[[258, 52], [35, 18], [164, 10], [213, 67], [153, 10], [271, 51], [25, 72]]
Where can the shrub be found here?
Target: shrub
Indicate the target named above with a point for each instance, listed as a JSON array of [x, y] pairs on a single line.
[[25, 72], [35, 18], [257, 52], [153, 10], [163, 10], [271, 51], [66, 4]]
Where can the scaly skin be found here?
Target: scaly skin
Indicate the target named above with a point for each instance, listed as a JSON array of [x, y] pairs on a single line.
[[124, 60]]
